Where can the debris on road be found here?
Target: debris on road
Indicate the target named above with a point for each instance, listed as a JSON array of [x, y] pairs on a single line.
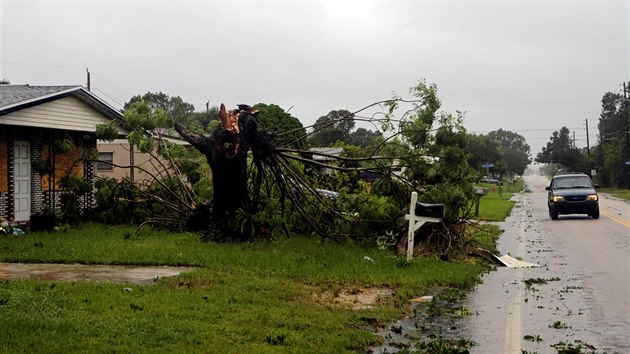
[[512, 262], [426, 298]]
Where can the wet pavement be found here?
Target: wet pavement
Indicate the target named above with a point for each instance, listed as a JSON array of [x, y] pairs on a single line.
[[578, 298], [82, 272]]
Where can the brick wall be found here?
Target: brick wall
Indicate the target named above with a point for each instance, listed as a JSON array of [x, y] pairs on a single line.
[[4, 174], [37, 197], [89, 169], [10, 170], [3, 205], [39, 142]]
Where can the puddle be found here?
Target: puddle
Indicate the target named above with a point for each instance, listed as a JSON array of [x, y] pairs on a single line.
[[436, 321], [82, 272], [357, 299]]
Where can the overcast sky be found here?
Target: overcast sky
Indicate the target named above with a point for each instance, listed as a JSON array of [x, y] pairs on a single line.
[[531, 67]]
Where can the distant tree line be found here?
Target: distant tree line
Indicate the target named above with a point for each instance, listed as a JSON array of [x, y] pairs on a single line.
[[608, 157]]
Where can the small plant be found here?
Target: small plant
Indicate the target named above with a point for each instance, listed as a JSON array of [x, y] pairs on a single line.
[[43, 167], [433, 310], [559, 325], [275, 339], [462, 312], [569, 289], [579, 347], [44, 220], [531, 281], [64, 146], [387, 241], [535, 338], [445, 346], [397, 329]]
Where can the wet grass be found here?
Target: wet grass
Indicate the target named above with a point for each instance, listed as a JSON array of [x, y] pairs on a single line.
[[496, 205], [443, 346], [617, 193], [533, 338], [529, 283], [577, 347], [253, 297], [486, 236], [559, 325]]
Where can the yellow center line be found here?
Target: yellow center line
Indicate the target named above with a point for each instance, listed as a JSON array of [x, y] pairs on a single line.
[[622, 221]]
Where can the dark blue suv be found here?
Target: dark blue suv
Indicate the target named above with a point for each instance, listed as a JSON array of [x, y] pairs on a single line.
[[572, 194]]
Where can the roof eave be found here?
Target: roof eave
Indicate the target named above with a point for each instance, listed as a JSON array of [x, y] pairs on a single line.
[[77, 91]]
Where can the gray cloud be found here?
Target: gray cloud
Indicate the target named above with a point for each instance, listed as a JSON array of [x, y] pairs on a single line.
[[527, 66]]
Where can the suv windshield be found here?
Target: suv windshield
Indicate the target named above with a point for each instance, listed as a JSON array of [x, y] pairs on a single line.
[[572, 182]]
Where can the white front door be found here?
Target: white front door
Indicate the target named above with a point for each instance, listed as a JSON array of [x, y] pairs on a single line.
[[22, 179]]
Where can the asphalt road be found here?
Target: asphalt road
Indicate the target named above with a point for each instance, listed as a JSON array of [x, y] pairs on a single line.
[[580, 296]]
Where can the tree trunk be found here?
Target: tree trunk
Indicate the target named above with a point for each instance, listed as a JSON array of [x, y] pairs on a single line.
[[226, 152]]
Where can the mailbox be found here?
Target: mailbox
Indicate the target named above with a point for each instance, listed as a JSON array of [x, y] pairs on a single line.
[[430, 210], [480, 191]]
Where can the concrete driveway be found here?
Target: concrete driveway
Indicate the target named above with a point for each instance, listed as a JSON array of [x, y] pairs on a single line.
[[81, 272]]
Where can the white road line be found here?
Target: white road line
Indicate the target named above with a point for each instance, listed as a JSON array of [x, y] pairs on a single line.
[[513, 323]]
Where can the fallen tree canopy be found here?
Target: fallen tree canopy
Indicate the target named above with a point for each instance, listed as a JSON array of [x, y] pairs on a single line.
[[268, 181]]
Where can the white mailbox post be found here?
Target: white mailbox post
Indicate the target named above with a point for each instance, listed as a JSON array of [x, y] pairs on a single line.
[[419, 214]]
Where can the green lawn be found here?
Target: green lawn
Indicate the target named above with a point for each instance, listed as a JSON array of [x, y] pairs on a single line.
[[496, 205], [264, 297], [617, 193]]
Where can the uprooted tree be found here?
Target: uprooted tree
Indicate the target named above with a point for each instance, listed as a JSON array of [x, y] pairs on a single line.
[[226, 152], [413, 156], [277, 188]]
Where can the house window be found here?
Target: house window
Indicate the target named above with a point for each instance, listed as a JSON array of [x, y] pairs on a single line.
[[105, 156]]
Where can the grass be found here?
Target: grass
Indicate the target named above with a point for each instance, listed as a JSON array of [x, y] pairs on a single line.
[[486, 236], [617, 193], [260, 297], [496, 205]]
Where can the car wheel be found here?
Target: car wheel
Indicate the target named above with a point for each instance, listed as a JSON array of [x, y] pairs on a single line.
[[595, 214], [553, 214]]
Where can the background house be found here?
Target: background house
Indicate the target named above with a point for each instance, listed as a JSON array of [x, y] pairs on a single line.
[[326, 155], [123, 159], [33, 120]]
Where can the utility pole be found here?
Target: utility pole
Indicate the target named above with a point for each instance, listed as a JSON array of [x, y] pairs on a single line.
[[574, 139], [626, 108], [588, 146]]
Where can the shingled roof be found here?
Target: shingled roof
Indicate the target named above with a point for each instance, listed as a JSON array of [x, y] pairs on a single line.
[[16, 97], [12, 94]]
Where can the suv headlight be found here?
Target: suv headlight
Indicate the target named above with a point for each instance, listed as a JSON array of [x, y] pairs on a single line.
[[592, 198], [557, 198]]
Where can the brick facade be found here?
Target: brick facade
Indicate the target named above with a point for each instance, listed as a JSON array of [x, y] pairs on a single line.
[[4, 175], [36, 179], [40, 140], [10, 172], [4, 201]]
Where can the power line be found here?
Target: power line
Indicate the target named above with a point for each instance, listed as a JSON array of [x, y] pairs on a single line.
[[106, 95], [520, 130], [42, 65], [112, 85], [518, 103]]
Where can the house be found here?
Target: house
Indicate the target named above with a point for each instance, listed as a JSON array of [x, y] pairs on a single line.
[[33, 122], [326, 156], [119, 159]]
